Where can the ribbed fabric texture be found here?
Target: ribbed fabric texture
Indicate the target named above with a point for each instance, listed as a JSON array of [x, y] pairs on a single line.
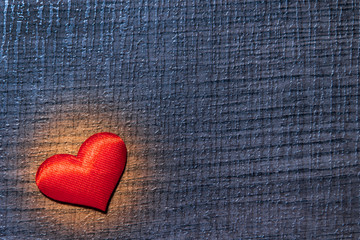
[[87, 179]]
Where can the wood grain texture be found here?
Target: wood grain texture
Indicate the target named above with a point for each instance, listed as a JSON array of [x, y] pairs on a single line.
[[241, 118]]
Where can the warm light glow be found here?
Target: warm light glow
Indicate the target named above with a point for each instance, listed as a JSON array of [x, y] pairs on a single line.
[[64, 134]]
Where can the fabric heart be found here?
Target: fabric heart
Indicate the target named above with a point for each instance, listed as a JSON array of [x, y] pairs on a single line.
[[87, 179]]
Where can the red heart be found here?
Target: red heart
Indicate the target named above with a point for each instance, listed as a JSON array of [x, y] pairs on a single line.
[[87, 179]]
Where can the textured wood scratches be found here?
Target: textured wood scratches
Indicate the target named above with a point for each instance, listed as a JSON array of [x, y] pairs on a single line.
[[241, 118]]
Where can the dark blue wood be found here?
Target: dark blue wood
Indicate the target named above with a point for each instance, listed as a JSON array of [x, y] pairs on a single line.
[[241, 117]]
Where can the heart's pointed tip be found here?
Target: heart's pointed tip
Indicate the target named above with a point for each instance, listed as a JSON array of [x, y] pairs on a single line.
[[100, 206], [103, 209]]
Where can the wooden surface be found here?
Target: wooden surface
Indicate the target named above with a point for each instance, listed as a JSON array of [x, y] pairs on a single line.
[[241, 118]]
